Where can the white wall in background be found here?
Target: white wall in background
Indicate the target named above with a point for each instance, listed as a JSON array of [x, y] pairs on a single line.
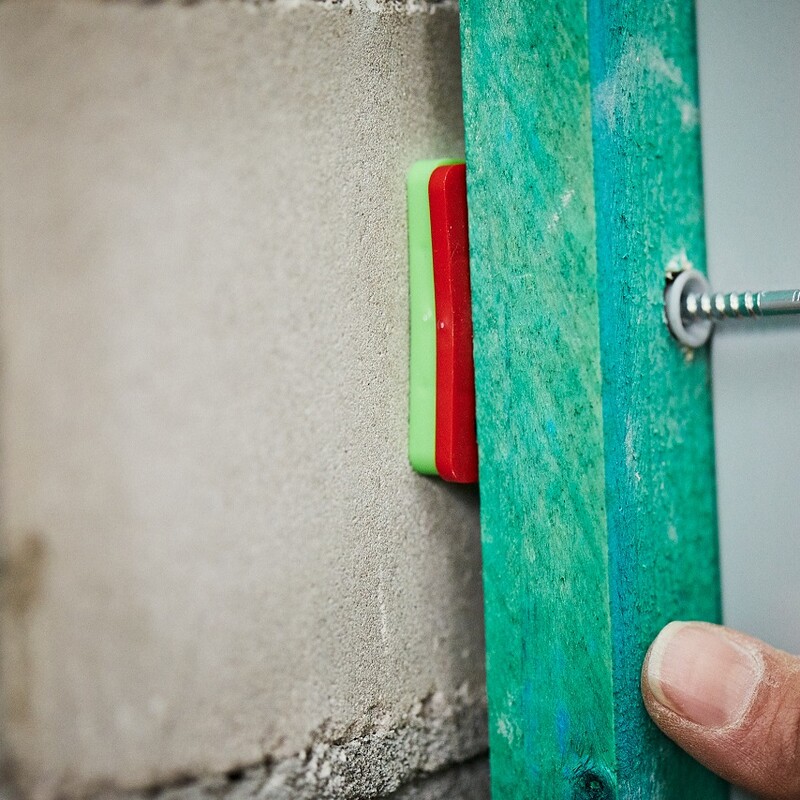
[[750, 101]]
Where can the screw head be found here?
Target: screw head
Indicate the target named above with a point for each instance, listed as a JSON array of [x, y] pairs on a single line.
[[692, 332]]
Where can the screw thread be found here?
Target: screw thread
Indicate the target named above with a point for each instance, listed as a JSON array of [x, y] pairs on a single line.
[[736, 305]]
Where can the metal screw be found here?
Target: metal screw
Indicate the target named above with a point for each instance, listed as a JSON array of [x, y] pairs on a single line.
[[692, 307]]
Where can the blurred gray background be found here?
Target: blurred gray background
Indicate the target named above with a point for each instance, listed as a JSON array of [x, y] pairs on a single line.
[[750, 101]]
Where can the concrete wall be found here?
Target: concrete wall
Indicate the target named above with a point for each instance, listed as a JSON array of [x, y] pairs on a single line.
[[216, 554]]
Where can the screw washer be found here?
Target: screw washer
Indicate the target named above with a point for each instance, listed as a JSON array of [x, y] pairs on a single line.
[[692, 307]]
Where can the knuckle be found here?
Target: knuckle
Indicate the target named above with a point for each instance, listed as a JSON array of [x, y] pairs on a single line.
[[784, 739], [768, 744], [789, 740]]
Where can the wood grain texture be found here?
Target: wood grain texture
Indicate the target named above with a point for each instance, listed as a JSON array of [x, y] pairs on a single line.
[[594, 429], [660, 488], [538, 384]]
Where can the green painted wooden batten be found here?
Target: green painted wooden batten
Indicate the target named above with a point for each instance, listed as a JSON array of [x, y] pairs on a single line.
[[594, 427]]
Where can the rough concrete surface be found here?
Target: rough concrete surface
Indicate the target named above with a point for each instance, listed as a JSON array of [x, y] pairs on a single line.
[[465, 781], [216, 556], [373, 763], [468, 781]]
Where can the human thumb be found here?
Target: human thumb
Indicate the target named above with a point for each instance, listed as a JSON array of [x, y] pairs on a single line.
[[730, 701]]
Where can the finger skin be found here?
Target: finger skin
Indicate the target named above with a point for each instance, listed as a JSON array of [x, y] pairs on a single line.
[[761, 752]]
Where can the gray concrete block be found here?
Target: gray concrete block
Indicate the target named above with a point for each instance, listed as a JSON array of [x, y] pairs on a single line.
[[216, 553]]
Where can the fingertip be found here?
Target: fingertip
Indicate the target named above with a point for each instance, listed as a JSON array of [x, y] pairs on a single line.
[[703, 673], [653, 666], [728, 700]]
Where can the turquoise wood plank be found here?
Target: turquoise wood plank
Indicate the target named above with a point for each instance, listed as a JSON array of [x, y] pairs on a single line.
[[527, 111], [660, 490], [594, 429]]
